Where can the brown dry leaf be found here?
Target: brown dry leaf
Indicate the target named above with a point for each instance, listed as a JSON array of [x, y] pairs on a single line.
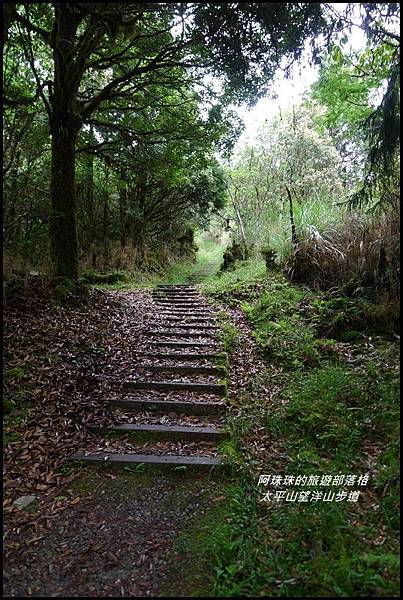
[[219, 499]]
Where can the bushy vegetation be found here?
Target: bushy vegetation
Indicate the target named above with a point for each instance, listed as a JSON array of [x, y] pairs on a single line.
[[317, 190]]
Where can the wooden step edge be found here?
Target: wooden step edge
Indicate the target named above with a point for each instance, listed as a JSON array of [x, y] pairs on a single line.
[[148, 459], [175, 290], [174, 300], [181, 305], [184, 369], [184, 355], [190, 321], [184, 334], [167, 406], [166, 386], [181, 313], [187, 297], [206, 434], [176, 294], [180, 325], [184, 344], [193, 311]]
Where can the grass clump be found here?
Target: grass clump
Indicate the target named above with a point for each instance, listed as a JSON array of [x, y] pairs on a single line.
[[228, 336], [238, 283]]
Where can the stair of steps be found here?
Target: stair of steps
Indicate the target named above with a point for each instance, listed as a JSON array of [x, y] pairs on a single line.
[[182, 305], [183, 316]]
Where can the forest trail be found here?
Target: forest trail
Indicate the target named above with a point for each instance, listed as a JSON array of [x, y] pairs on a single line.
[[134, 531], [179, 383]]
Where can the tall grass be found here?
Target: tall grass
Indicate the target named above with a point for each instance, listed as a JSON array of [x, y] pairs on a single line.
[[314, 212], [362, 251]]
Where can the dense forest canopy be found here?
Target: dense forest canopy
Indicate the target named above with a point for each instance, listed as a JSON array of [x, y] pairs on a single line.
[[119, 120]]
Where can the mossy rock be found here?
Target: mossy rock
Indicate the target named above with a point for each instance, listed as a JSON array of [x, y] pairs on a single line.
[[8, 406], [232, 255], [269, 256]]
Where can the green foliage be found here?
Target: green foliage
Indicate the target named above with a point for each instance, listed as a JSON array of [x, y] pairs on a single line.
[[269, 256], [319, 407], [237, 282], [229, 336], [233, 254], [246, 68], [281, 335], [138, 107], [290, 150], [16, 373], [104, 278], [330, 418], [69, 292], [8, 406], [360, 91]]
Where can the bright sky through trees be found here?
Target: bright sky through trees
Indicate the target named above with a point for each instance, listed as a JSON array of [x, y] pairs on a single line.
[[286, 92]]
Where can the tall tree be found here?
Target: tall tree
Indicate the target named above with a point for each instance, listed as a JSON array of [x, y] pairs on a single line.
[[101, 53]]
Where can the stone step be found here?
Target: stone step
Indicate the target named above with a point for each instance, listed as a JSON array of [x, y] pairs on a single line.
[[148, 459], [183, 344], [177, 386], [176, 287], [167, 406], [190, 320], [185, 369], [179, 304], [172, 298], [182, 355], [185, 313], [179, 295], [182, 334], [175, 294], [177, 309], [185, 323], [188, 326], [201, 434]]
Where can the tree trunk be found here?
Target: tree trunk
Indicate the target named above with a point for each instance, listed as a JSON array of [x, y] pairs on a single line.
[[90, 205], [65, 124], [122, 216], [241, 227], [294, 237], [105, 237], [63, 230]]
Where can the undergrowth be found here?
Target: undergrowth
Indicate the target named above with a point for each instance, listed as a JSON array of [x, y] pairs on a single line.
[[333, 365]]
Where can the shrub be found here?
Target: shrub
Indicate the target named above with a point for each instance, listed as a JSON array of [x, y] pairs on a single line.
[[269, 256], [112, 277], [362, 252], [234, 253]]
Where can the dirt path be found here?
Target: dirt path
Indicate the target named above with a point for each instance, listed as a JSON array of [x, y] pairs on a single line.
[[121, 532], [127, 536]]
